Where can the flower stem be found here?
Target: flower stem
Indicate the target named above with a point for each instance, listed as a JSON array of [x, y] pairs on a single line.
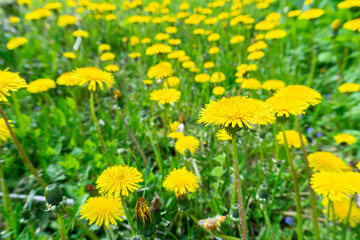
[[166, 120], [127, 214], [92, 108], [21, 151], [82, 226], [347, 229], [268, 222], [334, 220], [78, 114], [61, 226], [238, 186], [296, 186], [312, 193]]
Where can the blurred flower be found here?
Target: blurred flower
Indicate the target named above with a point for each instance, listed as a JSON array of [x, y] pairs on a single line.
[[158, 49], [102, 211], [335, 25], [107, 56], [160, 71], [256, 55], [67, 79], [303, 93], [332, 185], [14, 20], [342, 209], [104, 47], [275, 34], [217, 91], [165, 95], [174, 126], [66, 20], [112, 68], [41, 85], [272, 85], [181, 181], [10, 82], [286, 105], [202, 77], [292, 137], [4, 131], [236, 112], [38, 14], [217, 77], [174, 135], [53, 5], [209, 65], [16, 42], [352, 25], [120, 179], [312, 14], [172, 82], [212, 223], [147, 82], [251, 83], [289, 220], [214, 50], [187, 142], [237, 39], [80, 33], [294, 13], [349, 87], [326, 161], [93, 76], [69, 55], [223, 135], [171, 30], [176, 54], [345, 138]]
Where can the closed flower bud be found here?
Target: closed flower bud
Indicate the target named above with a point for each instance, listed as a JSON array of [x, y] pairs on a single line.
[[53, 195], [263, 193], [234, 212], [184, 203], [144, 221], [187, 154], [155, 210]]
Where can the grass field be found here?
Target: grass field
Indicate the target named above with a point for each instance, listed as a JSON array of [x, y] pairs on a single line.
[[180, 119]]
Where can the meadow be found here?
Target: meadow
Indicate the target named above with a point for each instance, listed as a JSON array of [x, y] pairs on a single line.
[[164, 119]]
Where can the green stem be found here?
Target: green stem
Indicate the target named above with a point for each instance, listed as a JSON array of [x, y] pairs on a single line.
[[78, 114], [268, 222], [238, 186], [313, 56], [347, 229], [92, 108], [61, 226], [328, 220], [82, 226], [21, 151], [166, 121], [334, 221], [296, 186], [127, 214], [109, 234], [312, 193]]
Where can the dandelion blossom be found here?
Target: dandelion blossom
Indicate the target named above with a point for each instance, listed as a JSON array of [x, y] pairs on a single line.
[[332, 185], [16, 42], [342, 209], [303, 93], [9, 82], [41, 85], [349, 87], [292, 138], [160, 71], [345, 138], [312, 14], [286, 105], [272, 85], [166, 95], [67, 79], [120, 179], [223, 135], [93, 76], [187, 142], [102, 211], [181, 181], [326, 161], [236, 111], [4, 131]]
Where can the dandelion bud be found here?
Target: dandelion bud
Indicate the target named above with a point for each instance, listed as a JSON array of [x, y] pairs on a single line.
[[53, 194], [187, 154], [93, 192], [234, 212], [184, 203], [263, 193], [155, 210], [335, 25], [117, 94], [144, 221]]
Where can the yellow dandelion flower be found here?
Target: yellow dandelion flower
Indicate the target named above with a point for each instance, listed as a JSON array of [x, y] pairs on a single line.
[[202, 77], [158, 49], [9, 82], [251, 83], [102, 211], [342, 209], [160, 71], [292, 138], [328, 162], [181, 181], [112, 68], [214, 50], [187, 142], [67, 79], [303, 93], [172, 82], [352, 25], [176, 54], [41, 85], [217, 91], [14, 20], [332, 185], [188, 64], [120, 179], [104, 47], [272, 85], [237, 111], [66, 20], [4, 131], [175, 135], [93, 76], [107, 56], [286, 105], [345, 138], [211, 224], [349, 87], [256, 55], [275, 34], [16, 42], [223, 135], [162, 36], [142, 209], [174, 126], [312, 14], [259, 45], [208, 65], [69, 55], [294, 13], [237, 39], [171, 30], [217, 77], [80, 33], [165, 95], [147, 82]]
